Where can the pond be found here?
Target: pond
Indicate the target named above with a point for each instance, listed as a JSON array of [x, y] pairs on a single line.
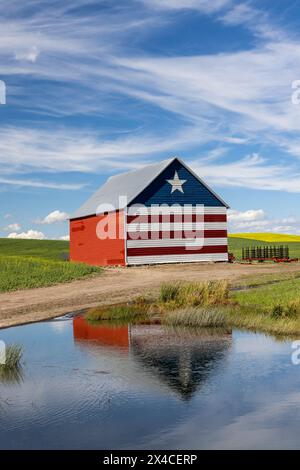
[[148, 387]]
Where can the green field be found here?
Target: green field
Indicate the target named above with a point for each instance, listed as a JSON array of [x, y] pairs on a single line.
[[236, 244], [35, 263], [45, 249], [268, 237], [268, 296]]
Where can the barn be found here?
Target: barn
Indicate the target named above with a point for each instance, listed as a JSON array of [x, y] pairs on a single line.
[[160, 213]]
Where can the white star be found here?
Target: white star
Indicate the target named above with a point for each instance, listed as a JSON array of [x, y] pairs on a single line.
[[176, 183]]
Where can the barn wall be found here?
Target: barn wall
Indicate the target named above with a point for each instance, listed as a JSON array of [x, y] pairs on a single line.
[[86, 247], [160, 239]]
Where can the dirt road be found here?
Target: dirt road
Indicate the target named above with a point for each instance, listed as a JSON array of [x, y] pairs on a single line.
[[116, 285]]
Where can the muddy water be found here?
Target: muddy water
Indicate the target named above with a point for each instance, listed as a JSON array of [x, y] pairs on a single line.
[[144, 386]]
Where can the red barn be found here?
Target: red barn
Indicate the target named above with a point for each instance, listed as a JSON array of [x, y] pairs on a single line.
[[161, 213]]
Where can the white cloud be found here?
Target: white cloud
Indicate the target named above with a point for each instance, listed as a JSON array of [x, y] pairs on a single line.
[[253, 226], [65, 237], [55, 217], [30, 234], [7, 216], [15, 226], [249, 215], [256, 220]]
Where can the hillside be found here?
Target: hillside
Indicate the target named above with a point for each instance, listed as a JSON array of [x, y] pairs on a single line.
[[46, 249]]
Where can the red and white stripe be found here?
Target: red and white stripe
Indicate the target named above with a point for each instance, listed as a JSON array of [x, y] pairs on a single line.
[[162, 235]]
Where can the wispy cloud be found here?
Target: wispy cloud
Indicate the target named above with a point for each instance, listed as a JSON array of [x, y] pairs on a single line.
[[225, 98], [40, 184], [14, 226], [252, 172], [204, 6], [68, 149]]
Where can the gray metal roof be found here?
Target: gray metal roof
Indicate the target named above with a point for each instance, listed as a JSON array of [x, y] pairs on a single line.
[[127, 185]]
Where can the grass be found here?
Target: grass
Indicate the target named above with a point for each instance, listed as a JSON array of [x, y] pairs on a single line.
[[244, 318], [13, 357], [126, 312], [255, 319], [266, 297], [11, 371], [196, 317], [193, 294], [178, 297], [273, 308], [235, 245], [36, 263], [263, 279]]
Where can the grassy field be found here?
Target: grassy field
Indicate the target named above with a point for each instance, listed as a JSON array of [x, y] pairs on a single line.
[[35, 263], [235, 245], [267, 297], [45, 249], [268, 237]]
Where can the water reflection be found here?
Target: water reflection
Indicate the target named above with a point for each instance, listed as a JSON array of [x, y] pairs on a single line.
[[117, 337], [183, 359], [11, 375], [147, 387], [180, 358]]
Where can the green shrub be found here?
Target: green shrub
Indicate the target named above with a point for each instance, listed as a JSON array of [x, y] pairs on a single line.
[[292, 309], [194, 293], [277, 311], [11, 371], [168, 292], [116, 312], [13, 358]]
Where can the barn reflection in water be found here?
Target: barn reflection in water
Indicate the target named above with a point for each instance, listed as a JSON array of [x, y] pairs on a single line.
[[181, 359]]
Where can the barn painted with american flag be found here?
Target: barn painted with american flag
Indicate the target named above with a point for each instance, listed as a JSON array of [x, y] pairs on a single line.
[[160, 213]]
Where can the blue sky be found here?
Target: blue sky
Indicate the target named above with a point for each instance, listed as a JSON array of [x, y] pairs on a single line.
[[98, 87]]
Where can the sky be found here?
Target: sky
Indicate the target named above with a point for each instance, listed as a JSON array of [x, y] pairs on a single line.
[[94, 88]]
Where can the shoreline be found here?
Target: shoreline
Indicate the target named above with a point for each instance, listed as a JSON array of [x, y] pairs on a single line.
[[117, 285]]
